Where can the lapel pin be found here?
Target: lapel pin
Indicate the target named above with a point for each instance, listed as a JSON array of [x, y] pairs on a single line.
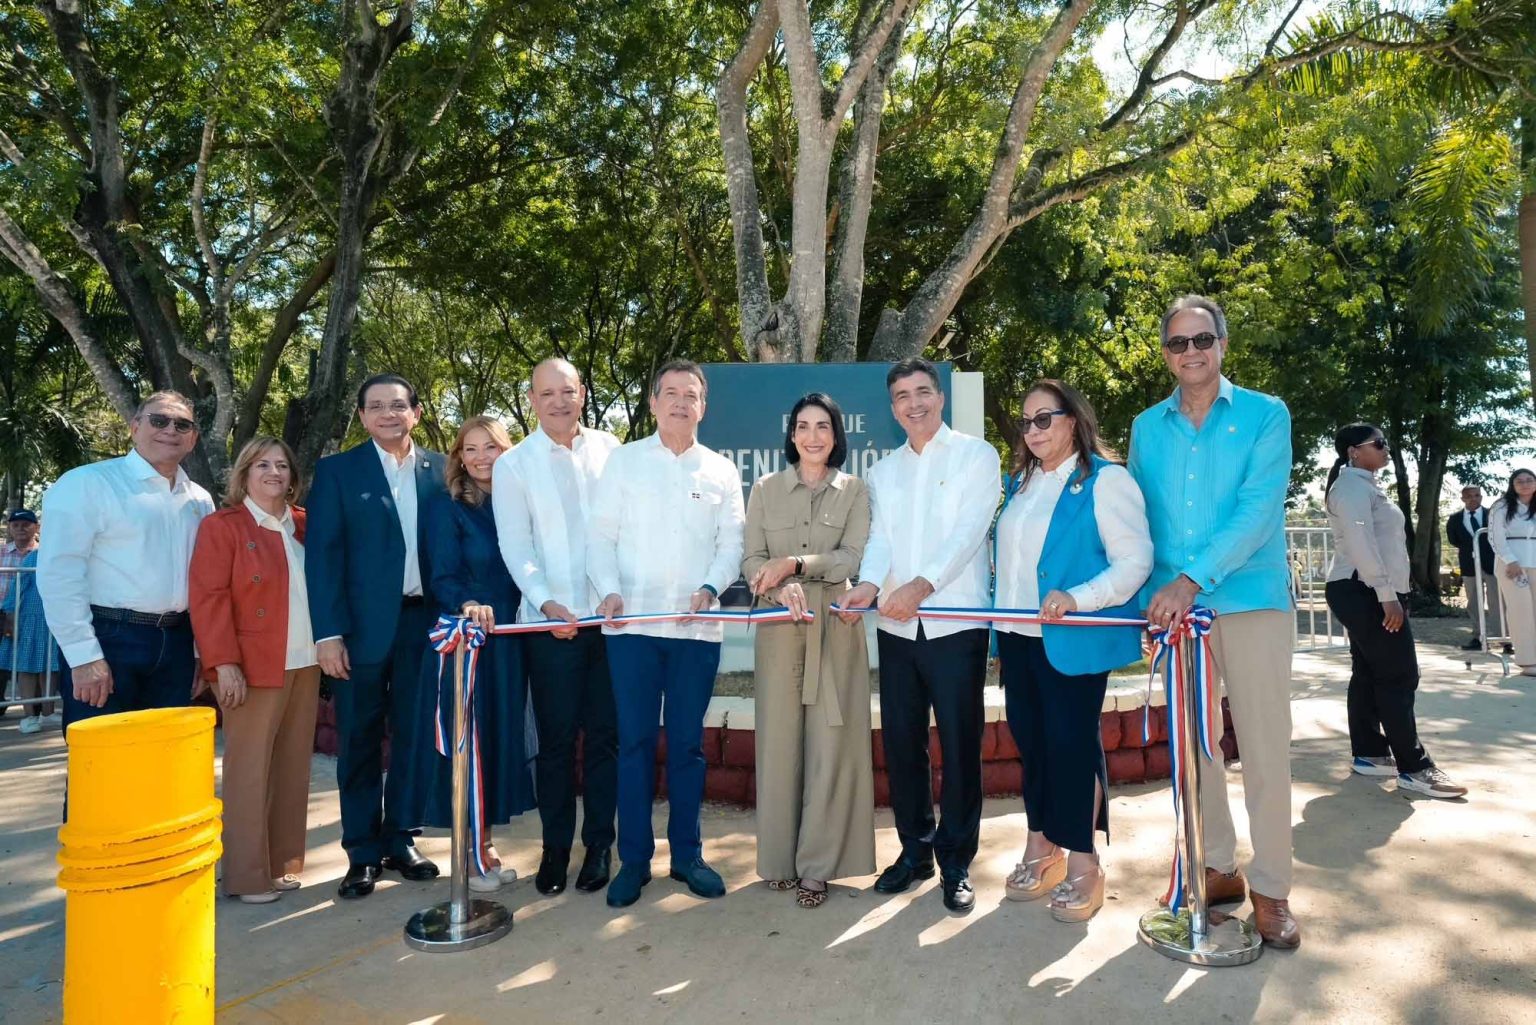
[[1076, 489]]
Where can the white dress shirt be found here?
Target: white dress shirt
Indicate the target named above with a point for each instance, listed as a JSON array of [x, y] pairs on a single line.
[[1513, 540], [1368, 536], [119, 535], [930, 519], [1121, 514], [401, 478], [663, 525], [540, 494], [301, 636]]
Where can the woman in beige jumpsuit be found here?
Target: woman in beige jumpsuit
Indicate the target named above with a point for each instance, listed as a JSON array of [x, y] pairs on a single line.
[[806, 530]]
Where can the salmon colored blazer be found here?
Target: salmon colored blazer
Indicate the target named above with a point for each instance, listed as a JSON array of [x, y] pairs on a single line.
[[238, 595]]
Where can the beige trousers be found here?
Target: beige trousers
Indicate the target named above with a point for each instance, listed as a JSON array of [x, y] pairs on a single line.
[[815, 778], [1490, 601], [268, 742], [1519, 614], [1252, 651]]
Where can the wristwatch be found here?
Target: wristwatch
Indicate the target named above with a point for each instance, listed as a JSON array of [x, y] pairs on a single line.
[[799, 566], [710, 588]]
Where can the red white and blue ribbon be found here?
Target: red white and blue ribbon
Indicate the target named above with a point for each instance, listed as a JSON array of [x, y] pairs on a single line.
[[446, 638], [743, 617], [983, 616], [1198, 687]]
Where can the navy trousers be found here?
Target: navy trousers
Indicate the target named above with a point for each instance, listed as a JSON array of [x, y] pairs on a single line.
[[945, 674], [151, 668], [1054, 719], [651, 674], [380, 696], [572, 694]]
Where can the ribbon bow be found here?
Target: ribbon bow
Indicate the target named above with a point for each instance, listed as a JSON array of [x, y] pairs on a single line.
[[1198, 687], [447, 637]]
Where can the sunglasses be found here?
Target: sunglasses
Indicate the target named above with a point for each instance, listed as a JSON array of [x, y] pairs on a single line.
[[1179, 344], [1042, 421], [1379, 444], [159, 421]]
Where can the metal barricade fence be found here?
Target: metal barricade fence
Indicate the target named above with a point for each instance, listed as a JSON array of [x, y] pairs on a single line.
[[27, 636], [1309, 551]]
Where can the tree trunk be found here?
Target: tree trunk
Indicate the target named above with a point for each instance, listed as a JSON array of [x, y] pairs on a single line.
[[353, 115], [856, 194], [1424, 556], [1527, 229]]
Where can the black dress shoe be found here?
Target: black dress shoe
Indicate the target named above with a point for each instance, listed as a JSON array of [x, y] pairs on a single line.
[[958, 895], [412, 865], [595, 869], [900, 876], [554, 868], [359, 880]]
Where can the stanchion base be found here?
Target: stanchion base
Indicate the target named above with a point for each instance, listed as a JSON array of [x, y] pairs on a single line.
[[1228, 941], [432, 929]]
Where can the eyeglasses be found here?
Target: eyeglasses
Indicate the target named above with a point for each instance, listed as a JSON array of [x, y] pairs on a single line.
[[398, 406], [1042, 421], [1379, 444], [159, 421], [1179, 344]]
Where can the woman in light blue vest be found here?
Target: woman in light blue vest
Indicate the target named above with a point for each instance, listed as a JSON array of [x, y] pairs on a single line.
[[1072, 538]]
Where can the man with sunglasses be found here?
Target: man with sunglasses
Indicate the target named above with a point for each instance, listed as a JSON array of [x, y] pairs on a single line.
[[113, 573], [1214, 462]]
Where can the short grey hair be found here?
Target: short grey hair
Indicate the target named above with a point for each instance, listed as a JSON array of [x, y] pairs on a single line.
[[1194, 302], [165, 396], [679, 366]]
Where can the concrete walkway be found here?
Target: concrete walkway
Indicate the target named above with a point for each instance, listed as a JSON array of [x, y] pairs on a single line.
[[1414, 911]]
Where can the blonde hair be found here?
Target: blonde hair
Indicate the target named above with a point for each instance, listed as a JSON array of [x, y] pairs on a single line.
[[254, 449], [461, 487]]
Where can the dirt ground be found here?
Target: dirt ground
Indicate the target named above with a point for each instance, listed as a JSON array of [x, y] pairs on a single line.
[[1414, 911]]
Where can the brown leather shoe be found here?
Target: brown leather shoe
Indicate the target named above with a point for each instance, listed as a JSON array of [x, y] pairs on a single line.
[[1272, 918], [1225, 887]]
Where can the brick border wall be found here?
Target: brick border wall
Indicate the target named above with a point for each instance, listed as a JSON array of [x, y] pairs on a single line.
[[731, 755]]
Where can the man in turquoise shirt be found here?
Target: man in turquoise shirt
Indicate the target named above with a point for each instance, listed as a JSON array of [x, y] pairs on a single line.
[[1213, 461]]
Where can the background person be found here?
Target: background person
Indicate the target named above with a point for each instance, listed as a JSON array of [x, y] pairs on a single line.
[[370, 604], [113, 575], [1368, 590], [470, 579], [664, 536], [27, 651], [1460, 528], [933, 501], [1512, 533], [250, 614], [806, 530], [1072, 537], [543, 489]]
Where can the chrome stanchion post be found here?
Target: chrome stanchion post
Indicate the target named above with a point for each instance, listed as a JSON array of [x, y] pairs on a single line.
[[1196, 935], [461, 923]]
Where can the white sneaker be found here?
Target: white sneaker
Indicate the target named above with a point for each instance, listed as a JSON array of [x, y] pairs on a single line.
[[1373, 766], [1430, 782], [54, 719], [485, 884], [30, 724]]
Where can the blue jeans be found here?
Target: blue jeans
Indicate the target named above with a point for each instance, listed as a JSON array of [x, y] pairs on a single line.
[[151, 668], [646, 670]]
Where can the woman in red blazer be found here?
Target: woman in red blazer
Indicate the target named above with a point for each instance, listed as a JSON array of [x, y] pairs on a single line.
[[250, 617]]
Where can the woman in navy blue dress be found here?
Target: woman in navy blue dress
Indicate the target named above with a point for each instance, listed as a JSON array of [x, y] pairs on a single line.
[[469, 578]]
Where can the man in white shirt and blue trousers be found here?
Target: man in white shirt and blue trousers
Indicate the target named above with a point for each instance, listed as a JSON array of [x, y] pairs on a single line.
[[664, 536], [543, 488], [934, 499], [370, 604], [113, 572]]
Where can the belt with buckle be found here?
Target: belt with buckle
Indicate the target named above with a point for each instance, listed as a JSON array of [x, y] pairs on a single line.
[[159, 620]]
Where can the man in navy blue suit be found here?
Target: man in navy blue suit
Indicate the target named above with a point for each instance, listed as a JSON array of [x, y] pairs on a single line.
[[370, 605]]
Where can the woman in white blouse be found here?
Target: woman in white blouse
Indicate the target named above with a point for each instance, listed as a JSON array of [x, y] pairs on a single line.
[[1072, 537], [1512, 534], [1368, 590], [250, 617]]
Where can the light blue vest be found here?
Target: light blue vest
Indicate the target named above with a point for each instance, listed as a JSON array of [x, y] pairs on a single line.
[[1073, 554]]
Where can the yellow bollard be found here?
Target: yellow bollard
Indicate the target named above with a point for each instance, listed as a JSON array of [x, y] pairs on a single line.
[[137, 857]]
